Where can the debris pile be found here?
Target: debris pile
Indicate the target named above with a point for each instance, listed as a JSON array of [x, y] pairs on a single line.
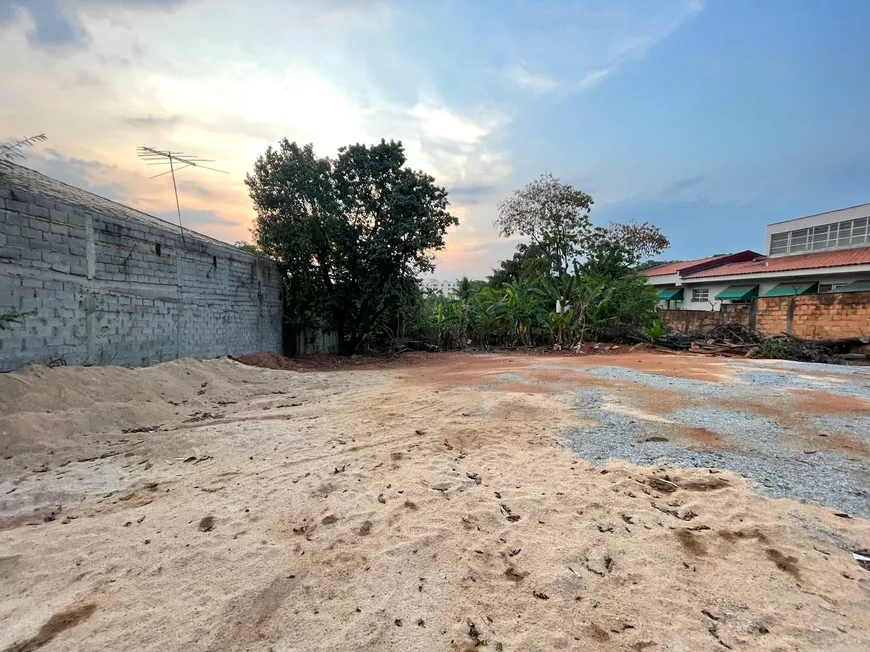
[[731, 340], [736, 340]]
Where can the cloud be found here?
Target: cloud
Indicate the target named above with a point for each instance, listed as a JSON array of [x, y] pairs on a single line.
[[677, 189], [86, 78], [154, 121], [52, 24], [438, 122], [474, 194], [521, 76], [57, 23], [195, 219], [572, 47], [89, 175], [592, 78]]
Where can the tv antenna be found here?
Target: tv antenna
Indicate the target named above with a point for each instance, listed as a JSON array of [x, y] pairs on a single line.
[[153, 156]]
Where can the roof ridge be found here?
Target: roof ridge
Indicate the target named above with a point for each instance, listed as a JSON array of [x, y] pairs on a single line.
[[18, 177], [816, 259]]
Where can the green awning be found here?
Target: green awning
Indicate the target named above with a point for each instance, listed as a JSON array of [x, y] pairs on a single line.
[[738, 293], [791, 289], [857, 286], [671, 294]]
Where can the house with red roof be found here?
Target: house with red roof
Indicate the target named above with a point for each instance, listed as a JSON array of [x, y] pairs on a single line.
[[829, 252]]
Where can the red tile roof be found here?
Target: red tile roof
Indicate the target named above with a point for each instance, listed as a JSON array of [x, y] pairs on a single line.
[[673, 268], [689, 266], [840, 258]]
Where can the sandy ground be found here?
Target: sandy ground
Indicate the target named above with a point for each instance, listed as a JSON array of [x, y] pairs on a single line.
[[427, 506]]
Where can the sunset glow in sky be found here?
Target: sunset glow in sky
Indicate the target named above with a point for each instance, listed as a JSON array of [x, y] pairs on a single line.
[[710, 118]]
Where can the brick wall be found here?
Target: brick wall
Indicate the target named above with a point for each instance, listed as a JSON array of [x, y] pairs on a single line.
[[772, 315], [689, 321], [831, 316], [101, 287]]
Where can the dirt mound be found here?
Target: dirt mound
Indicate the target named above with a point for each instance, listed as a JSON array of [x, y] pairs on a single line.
[[72, 413], [324, 362], [268, 361]]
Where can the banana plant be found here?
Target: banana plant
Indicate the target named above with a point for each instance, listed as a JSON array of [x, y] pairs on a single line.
[[561, 323], [594, 298], [525, 311]]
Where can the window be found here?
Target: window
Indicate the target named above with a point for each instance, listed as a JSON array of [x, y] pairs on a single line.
[[859, 231], [817, 238], [831, 287], [820, 236], [844, 233], [700, 295], [798, 240], [778, 243]]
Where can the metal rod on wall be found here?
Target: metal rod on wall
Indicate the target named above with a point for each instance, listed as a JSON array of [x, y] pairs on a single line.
[[161, 157]]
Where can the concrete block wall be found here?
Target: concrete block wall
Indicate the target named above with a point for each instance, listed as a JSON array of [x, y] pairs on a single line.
[[98, 287]]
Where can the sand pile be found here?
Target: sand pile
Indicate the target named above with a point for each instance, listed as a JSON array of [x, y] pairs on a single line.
[[400, 510]]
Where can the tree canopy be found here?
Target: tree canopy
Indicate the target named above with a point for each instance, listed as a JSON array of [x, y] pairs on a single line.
[[552, 214], [529, 261], [555, 217], [353, 232]]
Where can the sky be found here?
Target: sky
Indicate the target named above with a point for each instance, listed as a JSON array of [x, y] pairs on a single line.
[[708, 118]]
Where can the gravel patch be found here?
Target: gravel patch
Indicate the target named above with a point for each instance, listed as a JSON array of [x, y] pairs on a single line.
[[771, 380], [854, 427], [757, 446], [815, 367], [750, 379], [749, 431], [696, 387]]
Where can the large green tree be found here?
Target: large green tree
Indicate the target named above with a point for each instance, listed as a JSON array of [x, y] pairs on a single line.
[[353, 232], [528, 261], [616, 249]]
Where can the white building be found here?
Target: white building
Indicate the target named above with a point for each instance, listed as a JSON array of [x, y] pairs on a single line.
[[440, 287], [829, 252]]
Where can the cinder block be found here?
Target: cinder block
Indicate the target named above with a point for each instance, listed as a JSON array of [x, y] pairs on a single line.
[[23, 196], [12, 219], [36, 210], [14, 205]]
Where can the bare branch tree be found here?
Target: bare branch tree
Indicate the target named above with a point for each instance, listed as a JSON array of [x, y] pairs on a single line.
[[642, 239], [554, 215]]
